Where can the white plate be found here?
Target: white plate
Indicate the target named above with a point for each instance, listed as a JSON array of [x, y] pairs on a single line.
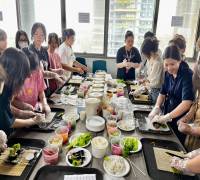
[[96, 95], [99, 82], [98, 85], [97, 89], [77, 135], [98, 79], [69, 99], [70, 115], [130, 124], [139, 144], [121, 85], [88, 156], [121, 174], [95, 123], [77, 77]]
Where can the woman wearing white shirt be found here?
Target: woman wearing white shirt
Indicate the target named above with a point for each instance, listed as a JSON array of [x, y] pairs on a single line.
[[155, 68], [67, 56]]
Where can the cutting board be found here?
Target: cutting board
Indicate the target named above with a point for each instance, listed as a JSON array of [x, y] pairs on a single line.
[[13, 169]]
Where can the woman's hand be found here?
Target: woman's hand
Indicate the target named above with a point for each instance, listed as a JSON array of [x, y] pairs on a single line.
[[162, 119], [46, 109], [155, 111], [79, 70], [39, 118], [3, 140], [185, 128], [59, 80], [193, 154], [179, 164]]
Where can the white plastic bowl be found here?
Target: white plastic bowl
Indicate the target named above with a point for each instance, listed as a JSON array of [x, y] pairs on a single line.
[[99, 146], [95, 123]]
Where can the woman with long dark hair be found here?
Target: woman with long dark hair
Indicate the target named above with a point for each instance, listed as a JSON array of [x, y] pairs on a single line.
[[17, 68]]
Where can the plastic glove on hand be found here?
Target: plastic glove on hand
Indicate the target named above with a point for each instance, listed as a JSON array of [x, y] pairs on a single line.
[[155, 111], [180, 165], [3, 140], [163, 119]]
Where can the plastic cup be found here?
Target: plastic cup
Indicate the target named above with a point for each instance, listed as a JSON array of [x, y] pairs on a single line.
[[56, 141], [114, 134], [82, 115], [50, 155], [115, 146], [63, 131], [99, 146]]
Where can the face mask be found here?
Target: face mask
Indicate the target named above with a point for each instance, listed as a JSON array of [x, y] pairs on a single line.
[[22, 44]]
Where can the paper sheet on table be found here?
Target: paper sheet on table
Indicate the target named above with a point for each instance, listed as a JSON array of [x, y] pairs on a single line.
[[142, 98], [151, 127], [163, 160], [50, 117], [80, 177]]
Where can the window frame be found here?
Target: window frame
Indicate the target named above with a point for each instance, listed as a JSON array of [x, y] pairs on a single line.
[[104, 55]]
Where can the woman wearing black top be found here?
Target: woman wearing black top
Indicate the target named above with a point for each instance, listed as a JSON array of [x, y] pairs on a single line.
[[38, 34], [128, 59]]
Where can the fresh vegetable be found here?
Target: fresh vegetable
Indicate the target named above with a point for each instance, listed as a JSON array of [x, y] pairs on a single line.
[[158, 125], [80, 141], [176, 171], [14, 151], [77, 158], [129, 144], [120, 81]]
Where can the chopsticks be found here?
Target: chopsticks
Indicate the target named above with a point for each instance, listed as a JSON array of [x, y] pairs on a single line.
[[171, 154], [133, 164], [132, 167]]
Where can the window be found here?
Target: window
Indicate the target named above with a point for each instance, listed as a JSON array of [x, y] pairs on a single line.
[[188, 11], [87, 19], [46, 11], [128, 15], [9, 21]]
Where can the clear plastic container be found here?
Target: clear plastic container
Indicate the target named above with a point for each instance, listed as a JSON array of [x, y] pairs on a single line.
[[63, 131], [50, 155]]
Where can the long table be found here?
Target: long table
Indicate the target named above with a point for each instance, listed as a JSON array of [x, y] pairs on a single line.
[[137, 158]]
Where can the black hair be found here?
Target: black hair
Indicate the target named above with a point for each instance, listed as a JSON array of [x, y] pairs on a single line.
[[172, 52], [18, 35], [149, 45], [52, 36], [68, 33], [33, 59], [17, 68], [36, 26], [3, 35], [2, 74], [179, 41], [129, 34], [149, 34]]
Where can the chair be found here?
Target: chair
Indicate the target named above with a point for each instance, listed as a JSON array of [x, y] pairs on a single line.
[[81, 60], [99, 65]]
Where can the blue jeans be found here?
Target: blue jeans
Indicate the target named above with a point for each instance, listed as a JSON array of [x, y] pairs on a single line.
[[154, 94]]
